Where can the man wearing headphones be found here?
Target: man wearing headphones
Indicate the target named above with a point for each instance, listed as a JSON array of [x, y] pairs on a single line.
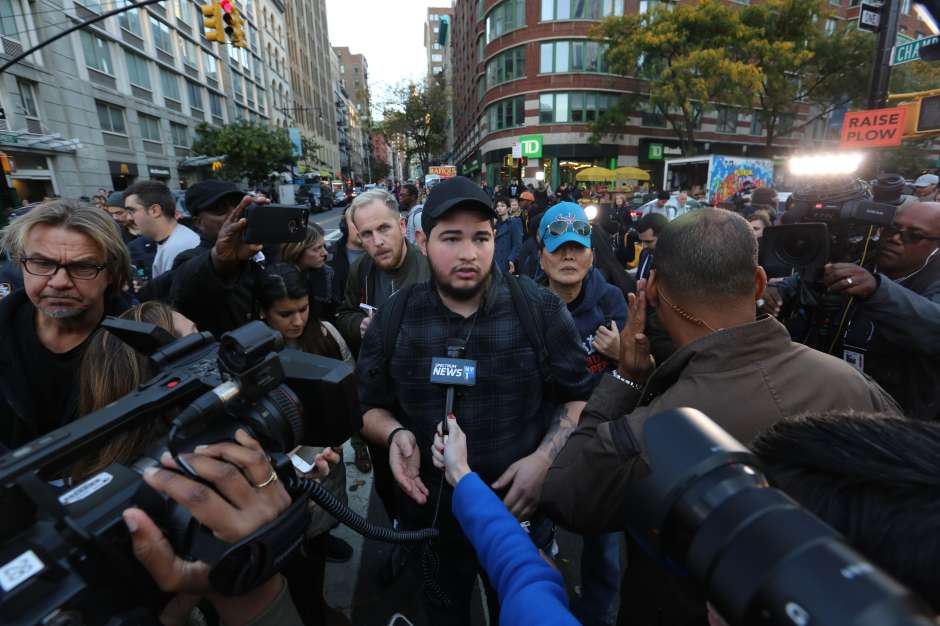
[[894, 333]]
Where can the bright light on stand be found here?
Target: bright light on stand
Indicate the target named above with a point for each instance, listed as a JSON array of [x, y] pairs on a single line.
[[591, 212], [839, 163]]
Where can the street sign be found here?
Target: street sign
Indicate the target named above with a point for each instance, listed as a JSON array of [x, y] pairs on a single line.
[[907, 52], [872, 129], [444, 171], [531, 146], [869, 16], [517, 150]]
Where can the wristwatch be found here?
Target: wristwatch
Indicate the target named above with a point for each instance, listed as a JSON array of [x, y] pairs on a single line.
[[626, 381]]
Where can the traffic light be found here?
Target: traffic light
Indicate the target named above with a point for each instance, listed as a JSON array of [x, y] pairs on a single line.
[[234, 24], [212, 21], [922, 118]]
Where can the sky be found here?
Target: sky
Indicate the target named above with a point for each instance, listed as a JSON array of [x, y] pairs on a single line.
[[390, 34]]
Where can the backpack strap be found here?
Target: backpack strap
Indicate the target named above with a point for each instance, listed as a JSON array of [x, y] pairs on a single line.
[[393, 314], [524, 291]]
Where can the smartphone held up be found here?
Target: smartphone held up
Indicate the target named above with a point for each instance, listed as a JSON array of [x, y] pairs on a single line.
[[275, 223]]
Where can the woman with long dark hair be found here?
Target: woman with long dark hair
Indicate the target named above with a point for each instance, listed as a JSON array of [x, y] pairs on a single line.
[[284, 301], [309, 256]]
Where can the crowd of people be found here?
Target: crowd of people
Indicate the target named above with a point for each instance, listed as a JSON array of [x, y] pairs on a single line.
[[579, 330]]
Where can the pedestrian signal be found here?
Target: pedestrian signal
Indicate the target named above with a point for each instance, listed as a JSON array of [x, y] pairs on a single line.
[[923, 113]]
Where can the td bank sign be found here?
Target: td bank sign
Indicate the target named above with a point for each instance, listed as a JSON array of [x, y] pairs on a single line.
[[531, 146]]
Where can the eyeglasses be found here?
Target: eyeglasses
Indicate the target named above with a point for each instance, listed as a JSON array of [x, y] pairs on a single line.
[[43, 267], [907, 236], [561, 226]]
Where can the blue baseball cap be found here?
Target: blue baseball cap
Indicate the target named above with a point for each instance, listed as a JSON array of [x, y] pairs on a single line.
[[568, 213]]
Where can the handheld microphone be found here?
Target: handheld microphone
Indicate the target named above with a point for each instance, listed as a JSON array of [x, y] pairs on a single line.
[[452, 371]]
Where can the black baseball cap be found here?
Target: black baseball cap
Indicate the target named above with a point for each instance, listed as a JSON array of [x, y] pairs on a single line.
[[451, 193], [205, 194]]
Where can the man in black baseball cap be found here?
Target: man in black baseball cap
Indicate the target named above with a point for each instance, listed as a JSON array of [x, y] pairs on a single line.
[[209, 202], [519, 337]]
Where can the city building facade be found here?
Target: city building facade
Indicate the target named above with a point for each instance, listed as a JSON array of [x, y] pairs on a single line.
[[354, 77], [312, 108], [528, 69], [112, 103], [437, 45]]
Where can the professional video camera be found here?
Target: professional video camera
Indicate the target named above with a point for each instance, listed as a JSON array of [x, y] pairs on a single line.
[[828, 221], [760, 558], [65, 554]]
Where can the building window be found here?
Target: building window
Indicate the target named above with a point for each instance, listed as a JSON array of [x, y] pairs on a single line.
[[906, 7], [647, 6], [436, 46], [111, 118], [577, 106], [180, 135], [757, 123], [8, 19], [506, 66], [506, 17], [27, 98], [727, 120], [170, 84], [580, 9], [215, 104], [651, 116], [572, 56], [835, 3], [189, 52], [509, 113], [481, 48], [194, 92], [437, 58], [785, 124], [161, 35], [481, 88], [183, 11], [831, 25], [149, 127], [94, 5], [97, 53], [237, 85], [480, 9], [130, 19], [138, 70], [211, 65]]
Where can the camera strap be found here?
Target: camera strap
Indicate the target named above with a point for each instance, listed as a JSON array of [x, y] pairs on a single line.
[[260, 555]]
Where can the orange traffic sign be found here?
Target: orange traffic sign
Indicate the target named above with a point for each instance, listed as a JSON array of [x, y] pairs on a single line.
[[872, 129]]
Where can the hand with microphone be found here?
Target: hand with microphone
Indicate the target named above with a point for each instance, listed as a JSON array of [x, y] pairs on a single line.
[[449, 452]]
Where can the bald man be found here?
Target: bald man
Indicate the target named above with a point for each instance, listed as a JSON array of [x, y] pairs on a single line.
[[894, 335]]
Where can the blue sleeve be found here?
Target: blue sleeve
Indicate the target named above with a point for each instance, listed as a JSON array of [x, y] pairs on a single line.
[[515, 235], [530, 591]]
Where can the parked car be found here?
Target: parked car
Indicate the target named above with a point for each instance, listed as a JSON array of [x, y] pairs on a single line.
[[339, 199]]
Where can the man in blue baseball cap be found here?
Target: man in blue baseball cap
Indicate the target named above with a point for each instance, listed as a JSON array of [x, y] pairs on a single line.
[[599, 310]]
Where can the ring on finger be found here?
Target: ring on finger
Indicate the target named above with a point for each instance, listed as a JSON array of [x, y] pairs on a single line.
[[272, 478], [849, 281]]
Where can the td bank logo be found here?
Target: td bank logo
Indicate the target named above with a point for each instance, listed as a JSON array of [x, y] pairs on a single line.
[[531, 146]]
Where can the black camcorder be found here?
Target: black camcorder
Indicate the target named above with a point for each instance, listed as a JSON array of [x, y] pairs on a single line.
[[760, 558], [65, 554], [827, 222]]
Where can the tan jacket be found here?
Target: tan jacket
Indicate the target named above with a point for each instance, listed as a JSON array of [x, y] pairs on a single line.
[[744, 378]]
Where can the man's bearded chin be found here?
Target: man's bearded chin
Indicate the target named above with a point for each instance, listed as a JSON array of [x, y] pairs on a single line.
[[460, 294]]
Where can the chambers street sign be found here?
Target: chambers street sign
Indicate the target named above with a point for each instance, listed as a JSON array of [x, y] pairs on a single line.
[[907, 52]]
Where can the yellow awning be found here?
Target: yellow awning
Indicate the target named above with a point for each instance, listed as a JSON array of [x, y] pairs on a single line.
[[631, 173], [595, 174]]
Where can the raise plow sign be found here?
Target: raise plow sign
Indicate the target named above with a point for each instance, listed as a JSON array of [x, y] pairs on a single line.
[[873, 129]]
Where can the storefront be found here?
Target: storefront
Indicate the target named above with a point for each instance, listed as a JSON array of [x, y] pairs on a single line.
[[31, 162], [558, 163], [123, 174]]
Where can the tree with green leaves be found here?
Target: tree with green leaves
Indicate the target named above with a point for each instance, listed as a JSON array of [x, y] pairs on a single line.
[[801, 63], [252, 151], [311, 157], [688, 54], [418, 112]]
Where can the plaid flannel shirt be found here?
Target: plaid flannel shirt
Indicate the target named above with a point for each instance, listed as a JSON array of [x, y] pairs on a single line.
[[506, 414]]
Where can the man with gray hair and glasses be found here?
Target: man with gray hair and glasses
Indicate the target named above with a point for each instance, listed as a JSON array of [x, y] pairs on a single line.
[[75, 267]]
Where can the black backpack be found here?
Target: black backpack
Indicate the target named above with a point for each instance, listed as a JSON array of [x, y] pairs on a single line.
[[523, 291]]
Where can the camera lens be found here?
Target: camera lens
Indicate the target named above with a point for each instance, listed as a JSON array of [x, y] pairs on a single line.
[[798, 250], [277, 418]]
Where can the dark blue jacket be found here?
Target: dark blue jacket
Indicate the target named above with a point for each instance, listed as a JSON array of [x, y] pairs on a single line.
[[508, 242], [530, 592], [601, 302]]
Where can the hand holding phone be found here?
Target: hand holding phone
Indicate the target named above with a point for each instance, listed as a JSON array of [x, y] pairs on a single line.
[[314, 462], [275, 223]]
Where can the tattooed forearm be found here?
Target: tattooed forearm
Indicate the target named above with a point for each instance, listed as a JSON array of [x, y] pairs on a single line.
[[559, 430]]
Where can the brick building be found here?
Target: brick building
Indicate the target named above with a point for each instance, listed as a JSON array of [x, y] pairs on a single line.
[[529, 67]]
